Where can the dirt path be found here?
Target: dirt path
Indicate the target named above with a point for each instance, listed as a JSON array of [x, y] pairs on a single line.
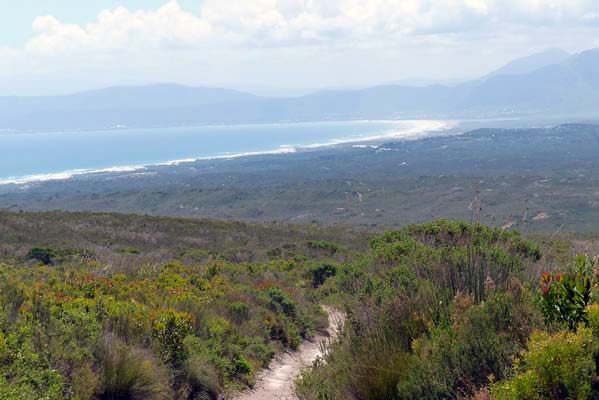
[[276, 382]]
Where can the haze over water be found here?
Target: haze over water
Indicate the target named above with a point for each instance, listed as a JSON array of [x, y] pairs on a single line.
[[50, 155]]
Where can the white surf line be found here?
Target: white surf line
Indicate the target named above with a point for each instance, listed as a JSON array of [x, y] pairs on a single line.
[[65, 175], [276, 382], [418, 129]]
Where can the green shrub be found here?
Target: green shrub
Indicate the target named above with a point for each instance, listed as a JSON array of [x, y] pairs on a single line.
[[285, 332], [85, 382], [559, 366], [565, 296], [593, 318], [49, 256], [242, 366], [170, 328], [317, 248], [201, 379], [435, 311], [129, 373], [281, 300], [320, 273], [42, 254], [235, 315], [128, 250], [239, 311], [260, 352]]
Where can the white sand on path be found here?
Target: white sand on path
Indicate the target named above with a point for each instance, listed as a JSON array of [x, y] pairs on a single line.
[[276, 382]]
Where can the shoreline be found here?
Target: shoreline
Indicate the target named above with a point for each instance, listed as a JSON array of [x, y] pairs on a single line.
[[421, 129]]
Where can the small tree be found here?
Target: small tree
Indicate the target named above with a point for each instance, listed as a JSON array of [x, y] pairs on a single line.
[[322, 272]]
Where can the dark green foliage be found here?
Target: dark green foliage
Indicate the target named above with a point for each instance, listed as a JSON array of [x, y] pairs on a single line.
[[477, 347], [457, 256], [201, 379], [239, 311], [322, 272], [48, 256], [282, 301], [43, 255]]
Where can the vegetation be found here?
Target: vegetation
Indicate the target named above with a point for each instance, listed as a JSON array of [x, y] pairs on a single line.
[[104, 306], [122, 312], [540, 180], [77, 330], [565, 296], [558, 366], [450, 310]]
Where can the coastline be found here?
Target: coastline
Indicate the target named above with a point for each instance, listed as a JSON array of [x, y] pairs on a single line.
[[419, 130]]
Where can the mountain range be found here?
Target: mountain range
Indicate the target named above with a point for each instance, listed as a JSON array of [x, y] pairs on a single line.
[[552, 82]]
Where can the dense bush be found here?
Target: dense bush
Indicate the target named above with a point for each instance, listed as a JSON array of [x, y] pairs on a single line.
[[322, 272], [445, 310], [76, 329], [129, 373], [563, 363], [434, 311], [49, 255], [560, 366]]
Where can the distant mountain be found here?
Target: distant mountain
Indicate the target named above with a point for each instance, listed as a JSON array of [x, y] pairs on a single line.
[[570, 86], [147, 106], [533, 62]]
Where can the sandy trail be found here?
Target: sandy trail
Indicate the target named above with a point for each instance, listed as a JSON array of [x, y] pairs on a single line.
[[276, 382]]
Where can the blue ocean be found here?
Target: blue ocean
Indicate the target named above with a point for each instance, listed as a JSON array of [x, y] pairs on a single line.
[[31, 156]]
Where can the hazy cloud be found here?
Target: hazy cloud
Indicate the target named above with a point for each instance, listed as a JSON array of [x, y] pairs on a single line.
[[218, 42], [288, 22]]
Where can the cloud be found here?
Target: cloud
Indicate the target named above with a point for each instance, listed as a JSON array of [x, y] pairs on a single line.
[[296, 22], [120, 29], [289, 21], [545, 11], [293, 42]]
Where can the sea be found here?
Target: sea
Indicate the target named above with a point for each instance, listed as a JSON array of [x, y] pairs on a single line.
[[38, 156]]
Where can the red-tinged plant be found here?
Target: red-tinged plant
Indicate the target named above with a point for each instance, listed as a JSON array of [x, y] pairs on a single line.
[[565, 296]]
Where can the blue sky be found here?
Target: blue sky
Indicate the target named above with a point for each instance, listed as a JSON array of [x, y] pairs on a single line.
[[276, 46]]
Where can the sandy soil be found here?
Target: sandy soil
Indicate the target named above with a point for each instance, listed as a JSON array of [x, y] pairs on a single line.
[[276, 382]]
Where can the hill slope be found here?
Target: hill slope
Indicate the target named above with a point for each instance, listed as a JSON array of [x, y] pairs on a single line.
[[531, 63]]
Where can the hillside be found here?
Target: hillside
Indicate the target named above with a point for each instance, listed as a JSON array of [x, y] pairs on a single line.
[[97, 306], [84, 315], [115, 238]]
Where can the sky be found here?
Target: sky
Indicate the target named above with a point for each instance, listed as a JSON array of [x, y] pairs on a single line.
[[276, 46]]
